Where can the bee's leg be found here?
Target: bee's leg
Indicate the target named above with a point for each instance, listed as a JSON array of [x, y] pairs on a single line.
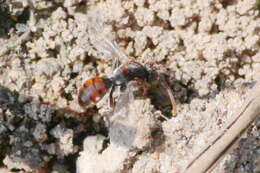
[[111, 99], [123, 87], [115, 64], [170, 94]]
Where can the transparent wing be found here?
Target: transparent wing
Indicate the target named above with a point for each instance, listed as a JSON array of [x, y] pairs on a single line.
[[122, 106], [103, 41]]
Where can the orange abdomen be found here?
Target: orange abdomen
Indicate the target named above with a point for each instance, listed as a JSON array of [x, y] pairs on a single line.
[[93, 90]]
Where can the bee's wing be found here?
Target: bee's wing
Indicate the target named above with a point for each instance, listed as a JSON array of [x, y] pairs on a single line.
[[102, 39], [122, 106]]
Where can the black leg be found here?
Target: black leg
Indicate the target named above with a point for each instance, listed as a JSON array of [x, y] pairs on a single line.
[[170, 94], [111, 100]]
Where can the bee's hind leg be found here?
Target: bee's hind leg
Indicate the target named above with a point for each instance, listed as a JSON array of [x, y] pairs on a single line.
[[170, 94]]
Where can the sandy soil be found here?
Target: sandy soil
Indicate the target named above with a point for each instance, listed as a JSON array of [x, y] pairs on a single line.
[[208, 50]]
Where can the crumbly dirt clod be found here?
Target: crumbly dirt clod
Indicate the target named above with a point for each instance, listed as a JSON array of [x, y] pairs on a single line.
[[208, 50]]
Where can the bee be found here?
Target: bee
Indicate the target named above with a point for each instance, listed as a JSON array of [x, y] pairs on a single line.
[[95, 88], [127, 74]]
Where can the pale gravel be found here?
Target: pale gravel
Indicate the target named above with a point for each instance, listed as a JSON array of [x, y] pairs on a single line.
[[204, 47]]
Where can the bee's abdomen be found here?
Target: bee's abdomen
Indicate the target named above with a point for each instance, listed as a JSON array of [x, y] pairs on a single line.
[[93, 90]]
